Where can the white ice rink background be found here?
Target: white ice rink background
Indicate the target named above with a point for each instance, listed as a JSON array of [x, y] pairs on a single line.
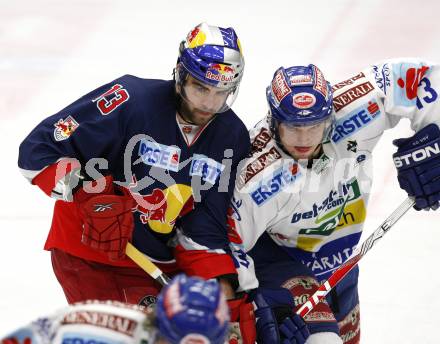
[[52, 52]]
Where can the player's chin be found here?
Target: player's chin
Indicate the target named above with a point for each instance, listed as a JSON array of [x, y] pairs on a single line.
[[202, 117]]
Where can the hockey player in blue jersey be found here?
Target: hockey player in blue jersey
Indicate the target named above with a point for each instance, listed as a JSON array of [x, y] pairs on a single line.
[[145, 161], [189, 310], [300, 203]]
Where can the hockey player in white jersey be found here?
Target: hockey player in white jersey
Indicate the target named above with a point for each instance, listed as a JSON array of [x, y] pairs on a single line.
[[300, 202], [189, 310]]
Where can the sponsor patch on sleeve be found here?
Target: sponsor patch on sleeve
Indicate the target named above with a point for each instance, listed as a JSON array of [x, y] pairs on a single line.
[[64, 128], [382, 76]]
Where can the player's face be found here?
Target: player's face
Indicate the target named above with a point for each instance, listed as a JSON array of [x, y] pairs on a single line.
[[302, 142], [201, 102]]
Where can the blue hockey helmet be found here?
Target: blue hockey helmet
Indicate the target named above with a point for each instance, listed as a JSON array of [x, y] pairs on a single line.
[[192, 308], [299, 96], [212, 55]]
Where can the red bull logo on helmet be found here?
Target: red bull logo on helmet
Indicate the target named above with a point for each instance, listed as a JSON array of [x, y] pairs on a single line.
[[220, 72], [196, 38], [64, 128]]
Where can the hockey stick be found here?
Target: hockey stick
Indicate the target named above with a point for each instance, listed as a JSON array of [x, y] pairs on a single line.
[[359, 252], [147, 265]]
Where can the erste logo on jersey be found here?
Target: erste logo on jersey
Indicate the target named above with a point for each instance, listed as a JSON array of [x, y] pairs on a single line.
[[111, 99], [206, 168], [355, 120], [64, 128], [158, 155], [277, 182], [85, 338]]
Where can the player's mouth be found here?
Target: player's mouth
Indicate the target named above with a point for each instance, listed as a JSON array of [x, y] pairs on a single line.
[[303, 149], [204, 113]]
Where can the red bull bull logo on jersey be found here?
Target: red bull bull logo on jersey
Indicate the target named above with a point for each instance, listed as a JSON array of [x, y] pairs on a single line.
[[64, 128], [161, 208], [152, 206]]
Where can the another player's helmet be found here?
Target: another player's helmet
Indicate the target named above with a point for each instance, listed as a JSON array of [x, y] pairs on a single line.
[[300, 96], [212, 55], [190, 308], [99, 321]]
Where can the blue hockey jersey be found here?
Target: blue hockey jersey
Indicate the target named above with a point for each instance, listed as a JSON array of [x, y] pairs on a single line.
[[128, 129]]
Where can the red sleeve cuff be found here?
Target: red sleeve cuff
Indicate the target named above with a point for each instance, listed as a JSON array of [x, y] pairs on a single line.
[[204, 264], [47, 179]]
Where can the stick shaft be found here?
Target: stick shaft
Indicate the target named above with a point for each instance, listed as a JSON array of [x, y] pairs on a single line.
[[147, 265], [345, 268]]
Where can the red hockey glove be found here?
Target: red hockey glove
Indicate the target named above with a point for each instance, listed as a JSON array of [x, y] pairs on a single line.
[[107, 218], [242, 312]]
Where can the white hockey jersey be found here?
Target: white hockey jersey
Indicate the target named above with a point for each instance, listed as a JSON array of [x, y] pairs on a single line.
[[317, 214]]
